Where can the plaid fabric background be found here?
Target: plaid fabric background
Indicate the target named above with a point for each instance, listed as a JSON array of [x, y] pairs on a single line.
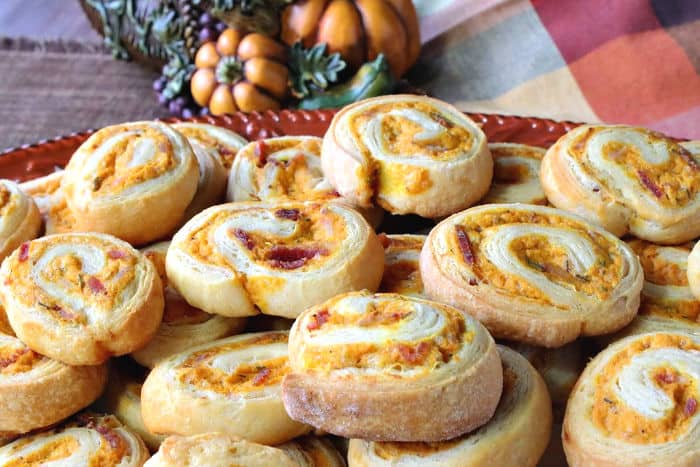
[[621, 61]]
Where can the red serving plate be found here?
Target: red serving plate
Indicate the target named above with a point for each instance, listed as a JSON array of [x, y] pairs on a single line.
[[34, 160]]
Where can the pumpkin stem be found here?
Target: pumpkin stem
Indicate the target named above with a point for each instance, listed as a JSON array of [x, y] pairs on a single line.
[[229, 70]]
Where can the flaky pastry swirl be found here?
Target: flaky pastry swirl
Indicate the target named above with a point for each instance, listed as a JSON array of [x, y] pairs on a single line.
[[531, 273], [19, 217], [516, 174], [51, 201], [223, 142], [401, 269]]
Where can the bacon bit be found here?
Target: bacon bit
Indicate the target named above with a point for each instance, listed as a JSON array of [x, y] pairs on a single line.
[[384, 240], [116, 254], [292, 258], [318, 320], [596, 189], [261, 153], [653, 187], [243, 236], [107, 433], [688, 158], [96, 286], [5, 362], [464, 245], [414, 355], [441, 120], [665, 378], [65, 314], [291, 214], [472, 281], [24, 251], [691, 405], [262, 376], [374, 317]]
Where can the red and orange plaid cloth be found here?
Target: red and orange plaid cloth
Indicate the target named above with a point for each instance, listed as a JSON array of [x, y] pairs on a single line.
[[615, 61]]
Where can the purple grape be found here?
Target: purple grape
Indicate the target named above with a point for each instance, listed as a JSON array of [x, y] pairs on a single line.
[[187, 113], [174, 107], [220, 26], [159, 84], [204, 111], [162, 100], [205, 19], [206, 35], [181, 101]]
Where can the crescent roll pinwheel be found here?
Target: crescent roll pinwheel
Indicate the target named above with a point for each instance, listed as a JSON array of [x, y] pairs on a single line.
[[531, 273], [87, 440], [358, 358], [51, 201], [224, 143], [636, 403], [626, 179], [409, 154], [212, 180], [401, 268], [516, 174], [183, 326], [19, 217], [36, 391], [231, 385], [509, 439], [238, 258], [81, 298], [133, 181]]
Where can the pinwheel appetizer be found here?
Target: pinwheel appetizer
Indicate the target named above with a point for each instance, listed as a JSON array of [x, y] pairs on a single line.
[[224, 143], [358, 357], [133, 181], [532, 274], [81, 298], [239, 259], [19, 217], [636, 403], [36, 391], [409, 154], [626, 179], [183, 326], [212, 180], [49, 198], [401, 268], [516, 174], [231, 385], [87, 440], [509, 439]]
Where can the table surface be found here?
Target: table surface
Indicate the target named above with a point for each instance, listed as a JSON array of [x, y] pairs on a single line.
[[45, 19]]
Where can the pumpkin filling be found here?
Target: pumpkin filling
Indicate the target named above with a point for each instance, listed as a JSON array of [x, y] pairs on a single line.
[[617, 420], [673, 183], [9, 202], [62, 217], [14, 360], [51, 451], [402, 277], [116, 171]]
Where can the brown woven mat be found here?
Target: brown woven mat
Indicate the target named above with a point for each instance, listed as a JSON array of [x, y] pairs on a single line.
[[51, 88]]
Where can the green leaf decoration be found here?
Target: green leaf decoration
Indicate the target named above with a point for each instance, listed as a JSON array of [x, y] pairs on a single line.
[[311, 69]]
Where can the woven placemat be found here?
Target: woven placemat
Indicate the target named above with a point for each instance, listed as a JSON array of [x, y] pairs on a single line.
[[51, 88]]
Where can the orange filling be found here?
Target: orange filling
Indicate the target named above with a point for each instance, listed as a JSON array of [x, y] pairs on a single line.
[[227, 153], [113, 174], [52, 451], [539, 254], [402, 277], [62, 217], [8, 201], [673, 183], [14, 360], [619, 421]]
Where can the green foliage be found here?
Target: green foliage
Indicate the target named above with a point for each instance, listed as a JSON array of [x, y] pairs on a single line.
[[311, 69]]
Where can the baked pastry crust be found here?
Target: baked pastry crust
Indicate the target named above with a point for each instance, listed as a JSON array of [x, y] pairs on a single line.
[[694, 271], [357, 357], [212, 180], [19, 217], [510, 438], [225, 143], [407, 153], [88, 439], [532, 274], [231, 385], [516, 174], [81, 298], [626, 179], [49, 198], [287, 168], [183, 326], [238, 258], [132, 180], [636, 403], [36, 391], [401, 268]]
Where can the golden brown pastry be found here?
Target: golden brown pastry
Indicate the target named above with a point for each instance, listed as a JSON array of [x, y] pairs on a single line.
[[225, 143], [231, 385], [516, 435], [407, 153], [212, 180], [626, 179], [81, 298], [49, 198], [636, 403], [183, 326], [392, 368], [516, 174], [532, 274], [401, 269], [667, 301], [5, 327], [239, 259], [19, 217], [89, 439], [36, 391], [287, 168], [694, 271], [133, 181]]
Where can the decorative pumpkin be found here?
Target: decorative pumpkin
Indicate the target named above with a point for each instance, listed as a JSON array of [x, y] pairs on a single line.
[[240, 71], [358, 29]]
